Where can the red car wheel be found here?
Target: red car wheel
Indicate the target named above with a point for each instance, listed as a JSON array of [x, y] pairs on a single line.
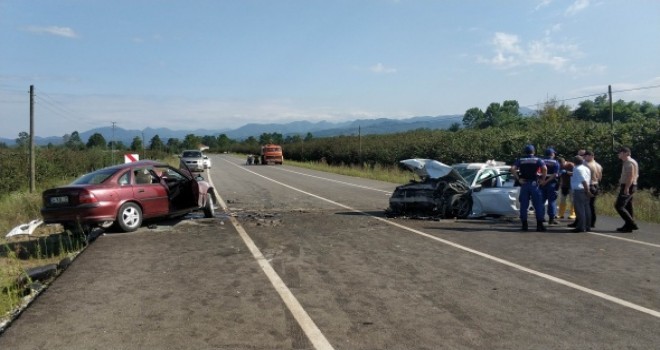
[[129, 217]]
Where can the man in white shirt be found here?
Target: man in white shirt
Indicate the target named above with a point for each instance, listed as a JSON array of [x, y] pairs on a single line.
[[580, 181]]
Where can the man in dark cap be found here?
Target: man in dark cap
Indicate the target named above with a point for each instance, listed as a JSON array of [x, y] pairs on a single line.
[[526, 170], [549, 188]]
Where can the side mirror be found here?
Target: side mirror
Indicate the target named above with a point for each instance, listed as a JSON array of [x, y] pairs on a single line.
[[206, 157], [476, 188]]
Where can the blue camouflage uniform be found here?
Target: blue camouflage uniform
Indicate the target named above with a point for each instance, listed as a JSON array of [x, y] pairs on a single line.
[[549, 189], [528, 168]]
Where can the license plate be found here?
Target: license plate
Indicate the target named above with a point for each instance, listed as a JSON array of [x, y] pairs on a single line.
[[59, 200]]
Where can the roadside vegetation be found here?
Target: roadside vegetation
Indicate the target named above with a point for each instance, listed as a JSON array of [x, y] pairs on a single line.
[[498, 133]]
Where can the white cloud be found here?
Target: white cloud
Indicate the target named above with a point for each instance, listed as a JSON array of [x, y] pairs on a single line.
[[53, 30], [576, 7], [511, 52], [542, 3], [380, 68]]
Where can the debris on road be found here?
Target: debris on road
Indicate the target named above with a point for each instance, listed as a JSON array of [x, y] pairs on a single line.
[[25, 229]]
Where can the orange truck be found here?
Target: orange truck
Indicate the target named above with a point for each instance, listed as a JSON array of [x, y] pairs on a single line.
[[271, 154]]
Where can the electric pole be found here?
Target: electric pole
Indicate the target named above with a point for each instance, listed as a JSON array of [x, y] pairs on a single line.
[[360, 145], [609, 90], [112, 150], [32, 161]]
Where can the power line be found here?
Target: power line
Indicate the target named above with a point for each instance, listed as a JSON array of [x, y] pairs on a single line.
[[639, 88], [599, 94], [54, 106]]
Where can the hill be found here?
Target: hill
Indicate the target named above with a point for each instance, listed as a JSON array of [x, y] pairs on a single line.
[[318, 129]]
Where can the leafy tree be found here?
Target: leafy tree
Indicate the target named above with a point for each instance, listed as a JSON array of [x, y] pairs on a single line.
[[156, 143], [173, 145], [509, 113], [309, 137], [210, 141], [492, 115], [73, 141], [23, 139], [191, 142], [116, 145], [293, 139], [96, 141], [554, 112], [274, 137], [649, 110], [3, 145], [137, 145], [224, 142], [473, 118], [454, 127], [251, 141]]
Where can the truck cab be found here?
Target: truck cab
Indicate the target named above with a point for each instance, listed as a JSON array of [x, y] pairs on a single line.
[[271, 154]]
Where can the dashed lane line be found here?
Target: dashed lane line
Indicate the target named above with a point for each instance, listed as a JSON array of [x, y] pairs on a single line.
[[546, 276], [305, 322]]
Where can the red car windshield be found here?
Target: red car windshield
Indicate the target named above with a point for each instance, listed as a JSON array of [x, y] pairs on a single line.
[[95, 177]]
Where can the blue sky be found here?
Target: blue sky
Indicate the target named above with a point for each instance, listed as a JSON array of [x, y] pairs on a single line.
[[222, 64]]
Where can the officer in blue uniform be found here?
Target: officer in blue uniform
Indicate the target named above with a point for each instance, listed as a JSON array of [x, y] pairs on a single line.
[[530, 172], [549, 189]]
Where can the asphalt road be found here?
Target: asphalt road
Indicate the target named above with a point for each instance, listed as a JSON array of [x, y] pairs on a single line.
[[307, 260]]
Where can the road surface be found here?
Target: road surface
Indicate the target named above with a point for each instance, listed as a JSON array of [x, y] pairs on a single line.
[[306, 260]]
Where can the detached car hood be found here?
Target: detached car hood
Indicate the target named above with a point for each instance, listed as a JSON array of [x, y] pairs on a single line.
[[432, 169]]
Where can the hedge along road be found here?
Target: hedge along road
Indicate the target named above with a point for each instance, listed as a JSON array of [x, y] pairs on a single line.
[[365, 282]]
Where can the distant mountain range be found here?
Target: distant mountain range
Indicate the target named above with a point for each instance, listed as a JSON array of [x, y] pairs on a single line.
[[319, 129]]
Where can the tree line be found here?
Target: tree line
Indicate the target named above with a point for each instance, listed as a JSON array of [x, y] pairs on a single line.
[[500, 132]]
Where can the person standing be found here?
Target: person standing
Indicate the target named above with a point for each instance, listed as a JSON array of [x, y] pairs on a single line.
[[549, 187], [628, 186], [526, 171], [565, 188], [580, 189], [596, 175]]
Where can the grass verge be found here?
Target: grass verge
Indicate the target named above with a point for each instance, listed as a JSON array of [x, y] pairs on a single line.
[[47, 245]]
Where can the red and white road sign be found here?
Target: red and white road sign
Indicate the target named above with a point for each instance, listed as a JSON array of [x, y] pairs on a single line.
[[130, 158]]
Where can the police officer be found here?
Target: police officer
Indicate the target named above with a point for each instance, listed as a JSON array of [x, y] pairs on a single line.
[[549, 188], [526, 171]]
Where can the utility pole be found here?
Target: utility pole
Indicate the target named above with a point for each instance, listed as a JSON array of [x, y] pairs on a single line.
[[609, 90], [112, 150], [360, 145], [32, 162]]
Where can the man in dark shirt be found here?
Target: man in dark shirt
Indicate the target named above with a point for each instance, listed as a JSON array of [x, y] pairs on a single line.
[[530, 171], [549, 189]]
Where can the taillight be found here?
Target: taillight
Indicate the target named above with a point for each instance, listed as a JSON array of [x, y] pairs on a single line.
[[87, 197]]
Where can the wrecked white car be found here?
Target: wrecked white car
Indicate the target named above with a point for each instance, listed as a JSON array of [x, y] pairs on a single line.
[[465, 190]]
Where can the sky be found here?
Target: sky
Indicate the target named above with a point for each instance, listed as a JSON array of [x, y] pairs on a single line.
[[221, 64]]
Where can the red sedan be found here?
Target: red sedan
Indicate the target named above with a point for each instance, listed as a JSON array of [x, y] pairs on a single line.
[[125, 195]]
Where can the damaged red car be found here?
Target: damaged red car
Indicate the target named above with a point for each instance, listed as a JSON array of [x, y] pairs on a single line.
[[127, 194]]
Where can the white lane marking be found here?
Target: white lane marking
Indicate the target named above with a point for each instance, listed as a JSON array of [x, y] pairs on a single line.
[[375, 189], [336, 181], [624, 239], [546, 276], [306, 323]]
